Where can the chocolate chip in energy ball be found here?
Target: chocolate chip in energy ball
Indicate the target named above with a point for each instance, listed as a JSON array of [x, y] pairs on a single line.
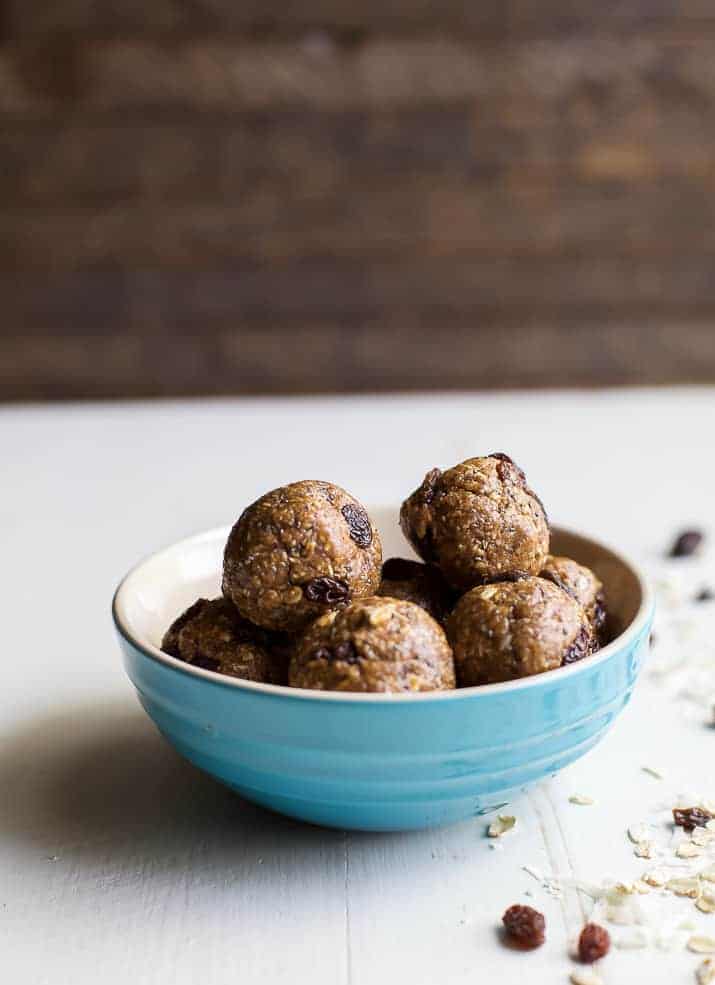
[[686, 543], [689, 818], [594, 943], [358, 524], [327, 591], [524, 926]]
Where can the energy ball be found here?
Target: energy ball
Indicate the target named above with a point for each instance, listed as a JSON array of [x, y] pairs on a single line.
[[299, 551], [516, 628], [586, 588], [477, 522], [422, 584], [213, 635], [375, 644]]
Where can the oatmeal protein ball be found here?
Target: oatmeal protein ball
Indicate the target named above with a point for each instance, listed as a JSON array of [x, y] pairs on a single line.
[[586, 588], [213, 635], [298, 551], [477, 522], [375, 644], [516, 628], [422, 584]]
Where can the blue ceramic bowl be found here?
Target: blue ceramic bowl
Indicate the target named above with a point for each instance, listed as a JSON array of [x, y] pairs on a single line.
[[375, 762]]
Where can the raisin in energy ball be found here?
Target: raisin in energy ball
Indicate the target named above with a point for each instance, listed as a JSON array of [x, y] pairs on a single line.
[[213, 635], [375, 644], [516, 628], [422, 584], [477, 522], [299, 551], [586, 588]]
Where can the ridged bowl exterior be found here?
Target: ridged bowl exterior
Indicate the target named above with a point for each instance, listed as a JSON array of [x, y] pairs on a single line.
[[386, 765]]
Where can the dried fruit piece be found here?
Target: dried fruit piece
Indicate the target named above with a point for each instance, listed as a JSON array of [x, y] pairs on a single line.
[[689, 818], [358, 524], [686, 543], [594, 943], [328, 591], [503, 823], [524, 926]]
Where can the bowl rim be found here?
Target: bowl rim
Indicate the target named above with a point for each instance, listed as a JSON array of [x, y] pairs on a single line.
[[637, 625]]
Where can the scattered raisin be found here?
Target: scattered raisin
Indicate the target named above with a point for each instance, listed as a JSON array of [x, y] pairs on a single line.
[[503, 470], [358, 524], [686, 543], [705, 595], [327, 591], [689, 818], [581, 647], [524, 926], [427, 489], [600, 614], [594, 943]]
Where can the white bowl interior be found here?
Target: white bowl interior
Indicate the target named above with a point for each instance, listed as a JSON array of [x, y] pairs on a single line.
[[161, 587]]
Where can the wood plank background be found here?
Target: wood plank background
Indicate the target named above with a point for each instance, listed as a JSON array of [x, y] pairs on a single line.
[[224, 196]]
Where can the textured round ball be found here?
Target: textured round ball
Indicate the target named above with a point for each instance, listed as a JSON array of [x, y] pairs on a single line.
[[375, 644], [422, 584], [477, 522], [514, 629], [586, 588], [299, 551], [213, 635]]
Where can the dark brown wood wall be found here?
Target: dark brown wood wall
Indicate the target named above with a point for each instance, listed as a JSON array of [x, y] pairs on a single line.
[[216, 196]]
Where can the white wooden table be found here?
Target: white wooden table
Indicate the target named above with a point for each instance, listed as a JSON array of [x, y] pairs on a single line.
[[120, 863]]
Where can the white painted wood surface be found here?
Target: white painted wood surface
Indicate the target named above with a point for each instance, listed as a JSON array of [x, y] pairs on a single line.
[[119, 863]]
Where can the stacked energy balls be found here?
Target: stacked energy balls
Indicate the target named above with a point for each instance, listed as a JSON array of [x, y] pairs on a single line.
[[308, 602]]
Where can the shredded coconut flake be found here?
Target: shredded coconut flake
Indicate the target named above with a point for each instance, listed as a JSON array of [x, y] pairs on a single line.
[[632, 942], [687, 849], [585, 976], [701, 944], [581, 799], [684, 886], [639, 833], [503, 823], [705, 973]]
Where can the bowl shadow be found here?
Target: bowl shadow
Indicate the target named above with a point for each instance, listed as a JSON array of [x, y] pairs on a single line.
[[98, 785]]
